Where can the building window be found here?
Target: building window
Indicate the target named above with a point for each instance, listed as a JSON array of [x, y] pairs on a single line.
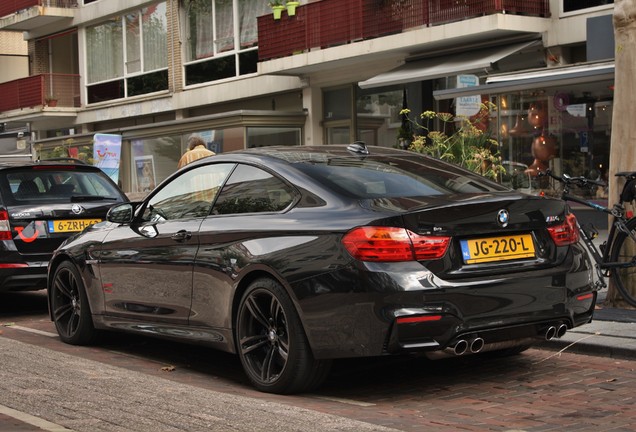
[[337, 115], [567, 130], [273, 136], [153, 159], [378, 113], [574, 5], [221, 39], [127, 55]]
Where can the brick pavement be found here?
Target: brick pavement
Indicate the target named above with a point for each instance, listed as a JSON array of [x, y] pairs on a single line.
[[541, 390]]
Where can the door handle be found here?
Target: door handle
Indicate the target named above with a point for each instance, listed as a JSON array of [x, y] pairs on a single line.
[[181, 235]]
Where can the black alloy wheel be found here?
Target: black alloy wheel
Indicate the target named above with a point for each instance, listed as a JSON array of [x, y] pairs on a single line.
[[71, 312], [272, 344]]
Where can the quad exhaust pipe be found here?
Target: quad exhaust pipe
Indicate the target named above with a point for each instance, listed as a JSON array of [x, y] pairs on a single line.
[[555, 331], [475, 344], [462, 346]]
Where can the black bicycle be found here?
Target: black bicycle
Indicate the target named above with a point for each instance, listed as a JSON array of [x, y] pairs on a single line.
[[617, 256]]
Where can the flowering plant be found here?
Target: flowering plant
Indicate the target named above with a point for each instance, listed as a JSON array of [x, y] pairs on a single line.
[[460, 141]]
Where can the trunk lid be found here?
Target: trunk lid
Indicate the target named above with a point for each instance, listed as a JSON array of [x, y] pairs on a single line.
[[499, 233]]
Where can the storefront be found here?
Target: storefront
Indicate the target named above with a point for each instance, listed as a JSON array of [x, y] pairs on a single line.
[[557, 118], [149, 154]]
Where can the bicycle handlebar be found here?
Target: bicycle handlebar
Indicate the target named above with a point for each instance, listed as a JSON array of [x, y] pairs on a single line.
[[566, 179]]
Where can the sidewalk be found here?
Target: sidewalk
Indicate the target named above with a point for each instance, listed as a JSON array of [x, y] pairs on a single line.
[[612, 333]]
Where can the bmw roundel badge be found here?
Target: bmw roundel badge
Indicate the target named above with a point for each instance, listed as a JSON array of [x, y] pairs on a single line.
[[503, 217], [77, 209]]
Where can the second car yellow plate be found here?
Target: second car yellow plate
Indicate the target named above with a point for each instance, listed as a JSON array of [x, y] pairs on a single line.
[[71, 225], [489, 249]]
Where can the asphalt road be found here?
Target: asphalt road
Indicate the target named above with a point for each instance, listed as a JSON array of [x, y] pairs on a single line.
[[139, 384]]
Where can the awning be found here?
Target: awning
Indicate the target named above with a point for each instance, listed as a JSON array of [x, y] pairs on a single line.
[[438, 67], [531, 80]]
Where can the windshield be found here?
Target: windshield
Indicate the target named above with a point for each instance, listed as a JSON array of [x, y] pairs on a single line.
[[387, 176], [39, 184]]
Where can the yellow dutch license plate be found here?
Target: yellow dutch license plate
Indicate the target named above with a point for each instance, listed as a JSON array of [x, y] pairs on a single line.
[[490, 249], [71, 225]]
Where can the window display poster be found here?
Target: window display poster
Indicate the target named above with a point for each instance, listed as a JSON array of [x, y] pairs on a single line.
[[145, 173], [468, 105], [107, 154]]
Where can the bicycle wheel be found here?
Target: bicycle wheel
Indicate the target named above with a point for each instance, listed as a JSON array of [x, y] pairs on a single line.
[[624, 251]]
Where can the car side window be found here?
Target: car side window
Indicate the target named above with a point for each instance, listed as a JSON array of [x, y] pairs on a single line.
[[253, 190], [189, 195]]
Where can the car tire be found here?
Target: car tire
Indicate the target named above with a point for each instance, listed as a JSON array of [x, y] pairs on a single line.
[[69, 306], [272, 344]]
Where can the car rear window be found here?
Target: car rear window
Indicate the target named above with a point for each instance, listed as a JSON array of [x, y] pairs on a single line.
[[394, 177], [40, 184]]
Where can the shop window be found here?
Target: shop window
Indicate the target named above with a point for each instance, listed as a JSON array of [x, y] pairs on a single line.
[[218, 140], [153, 159], [273, 136], [337, 104], [378, 115], [338, 135], [337, 115], [67, 149], [567, 130]]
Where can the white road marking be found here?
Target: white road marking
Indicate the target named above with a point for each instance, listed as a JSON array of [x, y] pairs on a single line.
[[345, 401], [32, 420], [30, 330]]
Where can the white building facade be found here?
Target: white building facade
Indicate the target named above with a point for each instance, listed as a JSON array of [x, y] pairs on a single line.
[[154, 72]]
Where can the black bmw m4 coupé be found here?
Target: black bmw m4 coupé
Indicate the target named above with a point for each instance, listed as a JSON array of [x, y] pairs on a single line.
[[291, 257]]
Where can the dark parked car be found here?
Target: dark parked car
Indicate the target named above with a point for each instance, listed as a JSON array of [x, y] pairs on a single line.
[[42, 203], [294, 256]]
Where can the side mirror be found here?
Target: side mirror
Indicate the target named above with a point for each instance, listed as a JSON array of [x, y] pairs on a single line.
[[121, 213]]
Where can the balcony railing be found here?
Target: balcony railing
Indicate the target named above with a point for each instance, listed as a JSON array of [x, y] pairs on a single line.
[[7, 7], [334, 22], [39, 91]]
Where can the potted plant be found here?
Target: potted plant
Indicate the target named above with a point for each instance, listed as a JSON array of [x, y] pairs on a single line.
[[291, 7], [51, 100], [277, 8]]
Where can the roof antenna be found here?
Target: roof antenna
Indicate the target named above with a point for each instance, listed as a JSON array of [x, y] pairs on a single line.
[[358, 147]]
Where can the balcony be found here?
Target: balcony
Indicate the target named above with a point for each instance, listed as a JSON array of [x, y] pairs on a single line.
[[26, 15], [333, 22], [40, 93]]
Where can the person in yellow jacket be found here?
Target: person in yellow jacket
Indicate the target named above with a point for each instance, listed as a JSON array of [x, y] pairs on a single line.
[[196, 150]]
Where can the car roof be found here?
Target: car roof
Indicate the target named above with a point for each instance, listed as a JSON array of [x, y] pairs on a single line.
[[61, 162], [356, 149]]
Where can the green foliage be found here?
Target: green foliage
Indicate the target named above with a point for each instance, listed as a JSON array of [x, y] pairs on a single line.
[[459, 141], [84, 152]]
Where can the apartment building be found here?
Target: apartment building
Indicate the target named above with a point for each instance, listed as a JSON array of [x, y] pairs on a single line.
[[14, 64], [153, 72]]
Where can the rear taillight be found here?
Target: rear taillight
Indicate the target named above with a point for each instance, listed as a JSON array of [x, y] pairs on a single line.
[[567, 233], [384, 244], [5, 228], [418, 319]]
